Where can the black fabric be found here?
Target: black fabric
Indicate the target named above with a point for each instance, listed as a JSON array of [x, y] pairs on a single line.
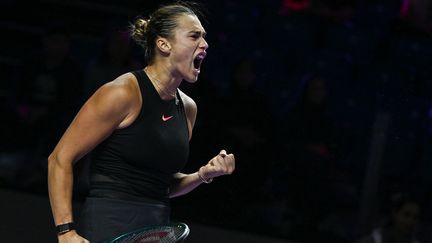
[[106, 218], [63, 228], [141, 159]]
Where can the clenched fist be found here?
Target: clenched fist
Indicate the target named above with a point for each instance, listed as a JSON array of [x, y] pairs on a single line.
[[221, 164]]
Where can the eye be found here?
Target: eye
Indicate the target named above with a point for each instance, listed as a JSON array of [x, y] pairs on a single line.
[[195, 36]]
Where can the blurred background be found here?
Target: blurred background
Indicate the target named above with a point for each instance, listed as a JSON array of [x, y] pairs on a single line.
[[326, 104]]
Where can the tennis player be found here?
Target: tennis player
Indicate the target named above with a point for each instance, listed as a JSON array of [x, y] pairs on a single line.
[[138, 127]]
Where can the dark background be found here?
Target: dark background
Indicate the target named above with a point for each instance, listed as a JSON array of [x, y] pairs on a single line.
[[326, 104]]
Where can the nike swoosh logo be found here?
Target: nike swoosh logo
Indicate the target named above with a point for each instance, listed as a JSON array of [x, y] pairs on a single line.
[[166, 118]]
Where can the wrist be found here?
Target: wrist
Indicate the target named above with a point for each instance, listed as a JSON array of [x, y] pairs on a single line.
[[65, 228], [203, 178], [67, 235]]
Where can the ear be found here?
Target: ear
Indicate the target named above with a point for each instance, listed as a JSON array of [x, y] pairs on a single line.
[[163, 45]]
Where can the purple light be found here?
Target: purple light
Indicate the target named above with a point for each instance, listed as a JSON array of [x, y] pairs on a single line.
[[404, 8]]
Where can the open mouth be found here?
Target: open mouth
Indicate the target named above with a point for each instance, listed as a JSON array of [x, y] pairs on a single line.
[[198, 60]]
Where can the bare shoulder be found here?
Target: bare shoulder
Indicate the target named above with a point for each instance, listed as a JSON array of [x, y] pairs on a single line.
[[122, 86], [188, 102], [190, 109], [111, 107], [120, 91], [119, 98]]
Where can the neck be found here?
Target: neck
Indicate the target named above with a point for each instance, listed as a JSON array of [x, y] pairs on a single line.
[[165, 82]]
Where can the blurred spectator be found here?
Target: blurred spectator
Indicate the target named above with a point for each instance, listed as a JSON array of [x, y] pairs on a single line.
[[418, 14], [10, 127], [50, 90], [48, 94], [307, 157], [400, 224]]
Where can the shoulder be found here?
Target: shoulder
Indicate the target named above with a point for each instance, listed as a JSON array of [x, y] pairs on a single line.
[[190, 106], [190, 110], [188, 102], [121, 89], [119, 96], [124, 82]]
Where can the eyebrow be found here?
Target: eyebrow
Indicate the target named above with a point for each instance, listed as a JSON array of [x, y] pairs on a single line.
[[202, 33]]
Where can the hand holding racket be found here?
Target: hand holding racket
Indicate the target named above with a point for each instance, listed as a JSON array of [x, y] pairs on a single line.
[[171, 233], [221, 164]]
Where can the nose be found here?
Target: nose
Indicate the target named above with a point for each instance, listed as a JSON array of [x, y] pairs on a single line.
[[204, 44]]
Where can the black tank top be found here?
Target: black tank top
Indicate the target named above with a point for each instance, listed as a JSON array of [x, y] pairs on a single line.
[[141, 159]]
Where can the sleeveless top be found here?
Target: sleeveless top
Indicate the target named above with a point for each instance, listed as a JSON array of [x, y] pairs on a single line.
[[140, 160]]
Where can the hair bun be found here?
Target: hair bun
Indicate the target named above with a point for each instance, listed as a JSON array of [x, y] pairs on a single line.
[[139, 31]]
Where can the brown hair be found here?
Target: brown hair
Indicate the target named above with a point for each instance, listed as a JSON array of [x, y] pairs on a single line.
[[160, 23]]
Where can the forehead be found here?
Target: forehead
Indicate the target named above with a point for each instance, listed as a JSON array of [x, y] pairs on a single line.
[[188, 22]]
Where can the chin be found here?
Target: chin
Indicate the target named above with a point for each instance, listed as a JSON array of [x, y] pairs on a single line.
[[192, 79]]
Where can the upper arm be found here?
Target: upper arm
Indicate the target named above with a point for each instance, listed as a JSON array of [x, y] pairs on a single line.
[[191, 111], [108, 109]]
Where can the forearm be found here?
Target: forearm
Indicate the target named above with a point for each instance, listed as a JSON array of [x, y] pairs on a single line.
[[184, 183], [60, 184], [221, 164]]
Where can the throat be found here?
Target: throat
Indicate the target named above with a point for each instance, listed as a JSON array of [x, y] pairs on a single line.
[[165, 92]]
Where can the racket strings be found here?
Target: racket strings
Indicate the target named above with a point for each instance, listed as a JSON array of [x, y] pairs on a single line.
[[162, 235]]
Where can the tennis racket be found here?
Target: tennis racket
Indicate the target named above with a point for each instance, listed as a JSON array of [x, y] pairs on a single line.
[[175, 232]]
